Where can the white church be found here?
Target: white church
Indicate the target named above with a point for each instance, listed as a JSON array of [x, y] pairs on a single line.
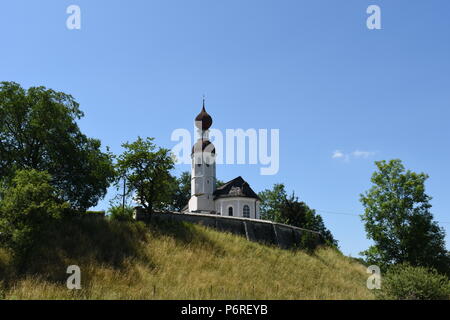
[[235, 198]]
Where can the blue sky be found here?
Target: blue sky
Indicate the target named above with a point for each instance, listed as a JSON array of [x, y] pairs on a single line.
[[309, 68]]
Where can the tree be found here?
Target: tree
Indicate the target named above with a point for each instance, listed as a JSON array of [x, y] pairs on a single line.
[[271, 203], [147, 169], [299, 214], [277, 206], [397, 218], [27, 204], [38, 130], [182, 192]]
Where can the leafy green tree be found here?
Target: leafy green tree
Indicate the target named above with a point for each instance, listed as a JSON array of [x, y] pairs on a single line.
[[147, 168], [297, 213], [277, 206], [271, 203], [182, 192], [397, 218], [28, 204], [38, 130]]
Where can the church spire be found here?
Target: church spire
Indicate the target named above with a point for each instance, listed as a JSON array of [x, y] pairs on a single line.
[[203, 120]]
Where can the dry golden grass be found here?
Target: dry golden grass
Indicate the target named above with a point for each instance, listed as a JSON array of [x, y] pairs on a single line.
[[177, 261]]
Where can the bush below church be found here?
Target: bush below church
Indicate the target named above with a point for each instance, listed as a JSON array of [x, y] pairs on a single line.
[[405, 282], [27, 204], [121, 213]]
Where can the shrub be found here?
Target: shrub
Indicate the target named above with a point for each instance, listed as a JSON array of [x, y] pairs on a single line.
[[118, 213], [4, 264], [27, 204], [99, 214], [405, 282], [308, 241]]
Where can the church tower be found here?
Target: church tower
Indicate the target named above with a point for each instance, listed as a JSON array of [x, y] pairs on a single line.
[[203, 172]]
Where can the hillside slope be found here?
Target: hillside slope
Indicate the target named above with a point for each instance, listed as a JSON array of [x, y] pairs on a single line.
[[129, 260]]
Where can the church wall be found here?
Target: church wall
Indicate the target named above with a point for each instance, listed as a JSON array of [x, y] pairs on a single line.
[[283, 236], [222, 205], [201, 203], [231, 225]]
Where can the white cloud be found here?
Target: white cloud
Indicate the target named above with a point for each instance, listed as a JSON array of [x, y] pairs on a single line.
[[337, 154], [362, 154], [357, 154]]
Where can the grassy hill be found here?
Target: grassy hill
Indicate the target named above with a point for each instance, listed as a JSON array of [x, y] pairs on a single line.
[[129, 260]]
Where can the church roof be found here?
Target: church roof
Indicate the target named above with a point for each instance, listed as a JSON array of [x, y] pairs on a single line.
[[203, 120], [237, 187]]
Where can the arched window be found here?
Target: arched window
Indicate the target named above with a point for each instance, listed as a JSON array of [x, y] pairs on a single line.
[[246, 211], [230, 211]]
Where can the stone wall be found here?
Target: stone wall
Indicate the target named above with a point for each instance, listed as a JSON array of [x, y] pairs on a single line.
[[281, 235]]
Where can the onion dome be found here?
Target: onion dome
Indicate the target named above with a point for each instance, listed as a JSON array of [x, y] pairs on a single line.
[[204, 145], [203, 121]]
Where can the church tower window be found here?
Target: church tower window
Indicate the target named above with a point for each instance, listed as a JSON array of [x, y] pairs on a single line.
[[230, 211]]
